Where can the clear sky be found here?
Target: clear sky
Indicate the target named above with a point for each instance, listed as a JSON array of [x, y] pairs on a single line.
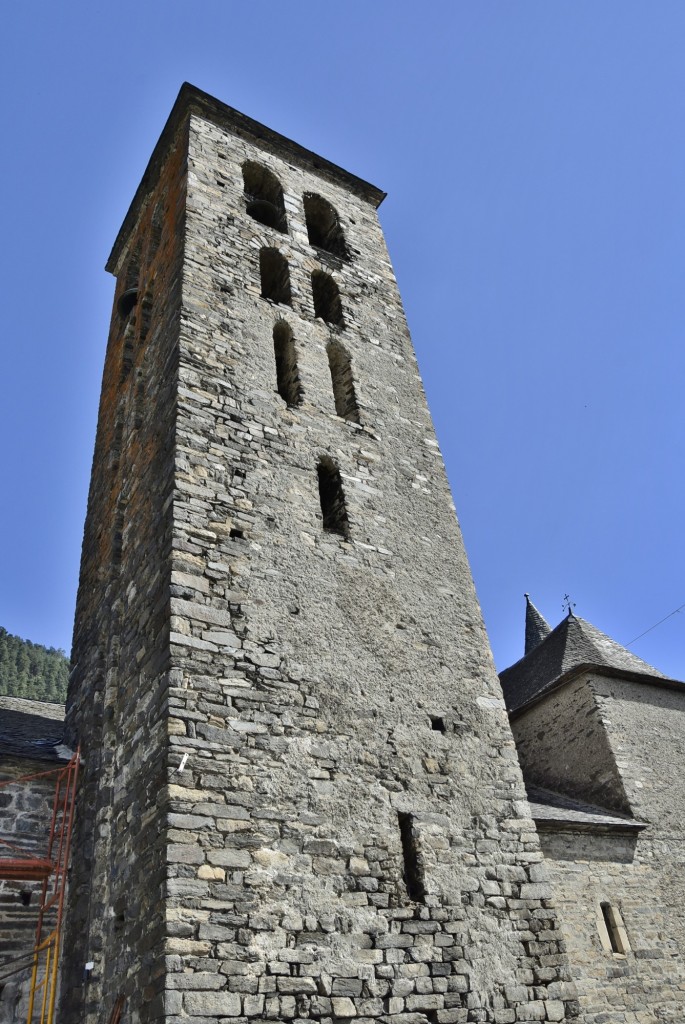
[[534, 157]]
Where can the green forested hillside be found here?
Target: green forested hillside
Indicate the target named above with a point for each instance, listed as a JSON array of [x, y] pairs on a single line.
[[31, 670]]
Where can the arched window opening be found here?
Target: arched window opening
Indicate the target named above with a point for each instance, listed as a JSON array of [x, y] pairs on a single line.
[[615, 930], [127, 303], [264, 196], [273, 267], [129, 297], [323, 226], [287, 374], [332, 498], [326, 296], [340, 365]]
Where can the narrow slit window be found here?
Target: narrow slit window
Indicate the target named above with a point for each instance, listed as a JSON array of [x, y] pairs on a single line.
[[264, 196], [340, 365], [288, 381], [614, 928], [275, 276], [413, 862], [323, 226], [326, 297], [332, 498]]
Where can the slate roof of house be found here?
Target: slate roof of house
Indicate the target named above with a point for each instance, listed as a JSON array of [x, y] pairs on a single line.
[[573, 643], [555, 810], [32, 729]]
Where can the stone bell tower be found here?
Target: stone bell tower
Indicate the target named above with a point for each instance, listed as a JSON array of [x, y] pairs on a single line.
[[301, 798]]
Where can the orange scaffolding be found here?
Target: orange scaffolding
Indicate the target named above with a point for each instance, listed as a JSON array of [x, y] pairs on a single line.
[[51, 870]]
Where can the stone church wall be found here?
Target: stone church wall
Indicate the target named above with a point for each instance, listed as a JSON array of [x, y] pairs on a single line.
[[640, 728]]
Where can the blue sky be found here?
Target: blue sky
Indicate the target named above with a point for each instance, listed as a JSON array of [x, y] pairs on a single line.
[[534, 157]]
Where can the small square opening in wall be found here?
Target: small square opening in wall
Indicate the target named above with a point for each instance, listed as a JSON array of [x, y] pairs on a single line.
[[438, 723], [236, 534]]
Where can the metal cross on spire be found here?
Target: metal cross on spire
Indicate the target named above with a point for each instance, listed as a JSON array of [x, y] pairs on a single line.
[[568, 605]]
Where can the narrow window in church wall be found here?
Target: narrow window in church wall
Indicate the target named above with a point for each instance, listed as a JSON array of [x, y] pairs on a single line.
[[288, 381], [332, 498], [340, 365], [327, 304], [323, 226], [612, 930], [413, 861], [275, 276], [129, 297], [264, 196]]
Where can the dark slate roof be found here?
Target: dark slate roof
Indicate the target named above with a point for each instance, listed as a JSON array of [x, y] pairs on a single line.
[[555, 810], [537, 627], [32, 729], [573, 643]]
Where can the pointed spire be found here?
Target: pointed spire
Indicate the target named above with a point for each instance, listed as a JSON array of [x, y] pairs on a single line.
[[537, 628]]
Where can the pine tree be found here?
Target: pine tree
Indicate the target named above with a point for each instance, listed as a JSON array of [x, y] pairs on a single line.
[[31, 670]]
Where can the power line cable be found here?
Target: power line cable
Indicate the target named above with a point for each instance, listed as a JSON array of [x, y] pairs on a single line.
[[674, 612]]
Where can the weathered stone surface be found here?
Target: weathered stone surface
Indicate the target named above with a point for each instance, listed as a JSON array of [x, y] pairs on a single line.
[[288, 697]]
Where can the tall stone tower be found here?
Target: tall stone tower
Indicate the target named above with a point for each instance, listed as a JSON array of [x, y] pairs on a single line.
[[301, 798]]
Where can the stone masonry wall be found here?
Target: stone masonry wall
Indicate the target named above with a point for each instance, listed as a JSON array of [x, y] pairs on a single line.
[[562, 745], [118, 690], [25, 815], [332, 853], [640, 728]]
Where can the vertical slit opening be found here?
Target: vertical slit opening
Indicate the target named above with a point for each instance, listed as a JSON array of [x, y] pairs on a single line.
[[340, 365], [437, 723], [413, 862], [275, 277], [612, 926], [323, 225], [326, 297], [288, 381], [332, 498]]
